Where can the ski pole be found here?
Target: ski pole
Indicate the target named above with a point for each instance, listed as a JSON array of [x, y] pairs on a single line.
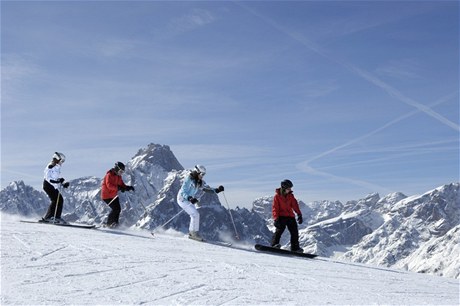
[[231, 217], [145, 209], [167, 222], [57, 203], [108, 204]]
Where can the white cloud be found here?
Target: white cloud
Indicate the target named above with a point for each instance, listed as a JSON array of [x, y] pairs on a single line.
[[217, 152], [316, 89], [195, 19], [401, 69]]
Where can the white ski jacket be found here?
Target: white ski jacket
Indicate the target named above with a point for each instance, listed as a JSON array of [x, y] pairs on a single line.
[[52, 174]]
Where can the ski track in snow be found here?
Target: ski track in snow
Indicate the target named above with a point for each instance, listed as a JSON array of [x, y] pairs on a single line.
[[61, 266]]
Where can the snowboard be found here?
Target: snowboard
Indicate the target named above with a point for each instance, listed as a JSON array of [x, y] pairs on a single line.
[[269, 249], [62, 224]]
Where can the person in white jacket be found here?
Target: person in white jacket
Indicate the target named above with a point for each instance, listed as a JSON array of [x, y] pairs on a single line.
[[189, 195], [51, 184]]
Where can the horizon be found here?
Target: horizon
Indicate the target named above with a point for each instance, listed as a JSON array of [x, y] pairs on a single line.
[[343, 98]]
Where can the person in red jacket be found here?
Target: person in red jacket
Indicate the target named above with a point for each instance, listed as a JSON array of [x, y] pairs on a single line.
[[284, 206], [111, 183]]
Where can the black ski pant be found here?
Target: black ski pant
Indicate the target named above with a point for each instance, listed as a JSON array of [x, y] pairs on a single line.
[[56, 199], [291, 224], [114, 215]]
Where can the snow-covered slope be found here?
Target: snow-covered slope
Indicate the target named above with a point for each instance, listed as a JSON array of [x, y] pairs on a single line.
[[50, 265]]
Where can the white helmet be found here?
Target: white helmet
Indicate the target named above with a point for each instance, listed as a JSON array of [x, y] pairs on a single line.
[[200, 169], [59, 156]]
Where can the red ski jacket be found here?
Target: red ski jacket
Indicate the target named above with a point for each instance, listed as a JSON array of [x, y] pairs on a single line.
[[110, 185], [284, 205]]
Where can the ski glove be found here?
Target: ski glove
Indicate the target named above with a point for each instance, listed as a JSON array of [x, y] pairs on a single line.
[[219, 189], [66, 184], [61, 180], [300, 219], [192, 200], [277, 223], [128, 188], [121, 188]]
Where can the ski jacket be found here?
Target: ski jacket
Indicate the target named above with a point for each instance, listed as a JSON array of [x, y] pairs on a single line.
[[110, 185], [284, 205], [191, 188], [52, 174]]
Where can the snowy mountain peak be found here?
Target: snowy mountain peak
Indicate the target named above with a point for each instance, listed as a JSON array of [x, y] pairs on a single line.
[[16, 186], [411, 228], [19, 198], [155, 155], [366, 203], [386, 203], [149, 168]]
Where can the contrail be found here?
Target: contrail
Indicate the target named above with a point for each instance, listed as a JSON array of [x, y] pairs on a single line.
[[305, 166], [359, 72], [392, 122], [401, 97]]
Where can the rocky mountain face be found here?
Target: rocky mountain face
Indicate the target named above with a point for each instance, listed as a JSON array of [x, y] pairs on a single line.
[[418, 233], [156, 175], [20, 199]]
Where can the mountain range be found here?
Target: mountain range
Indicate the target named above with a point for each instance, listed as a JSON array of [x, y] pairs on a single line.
[[417, 233]]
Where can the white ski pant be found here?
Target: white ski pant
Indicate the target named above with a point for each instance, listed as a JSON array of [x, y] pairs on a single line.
[[193, 212]]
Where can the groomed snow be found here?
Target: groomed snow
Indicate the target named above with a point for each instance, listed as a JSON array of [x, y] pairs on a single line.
[[44, 264]]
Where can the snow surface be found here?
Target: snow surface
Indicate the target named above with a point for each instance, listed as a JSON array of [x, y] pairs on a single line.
[[46, 264]]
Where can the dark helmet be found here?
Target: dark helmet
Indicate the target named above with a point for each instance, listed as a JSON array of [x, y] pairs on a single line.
[[286, 184], [119, 166]]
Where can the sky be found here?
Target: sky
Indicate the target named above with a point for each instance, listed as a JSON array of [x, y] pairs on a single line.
[[343, 98]]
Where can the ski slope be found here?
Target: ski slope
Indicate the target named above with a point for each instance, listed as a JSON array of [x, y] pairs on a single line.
[[46, 264]]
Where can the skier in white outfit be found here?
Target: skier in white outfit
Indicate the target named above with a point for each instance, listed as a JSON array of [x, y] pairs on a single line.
[[189, 195], [51, 183]]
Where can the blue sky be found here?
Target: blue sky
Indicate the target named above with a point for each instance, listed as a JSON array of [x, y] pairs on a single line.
[[343, 98]]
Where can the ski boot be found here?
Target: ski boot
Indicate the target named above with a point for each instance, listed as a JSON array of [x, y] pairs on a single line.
[[297, 250], [195, 236]]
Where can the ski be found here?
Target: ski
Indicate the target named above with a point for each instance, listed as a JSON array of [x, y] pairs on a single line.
[[222, 243], [123, 232], [62, 224], [196, 238], [269, 249]]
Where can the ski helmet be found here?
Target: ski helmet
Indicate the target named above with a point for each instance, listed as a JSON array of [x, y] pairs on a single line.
[[119, 166], [59, 157], [200, 169], [286, 184]]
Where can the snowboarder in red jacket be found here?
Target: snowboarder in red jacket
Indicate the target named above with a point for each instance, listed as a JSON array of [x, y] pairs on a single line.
[[284, 206], [111, 183]]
